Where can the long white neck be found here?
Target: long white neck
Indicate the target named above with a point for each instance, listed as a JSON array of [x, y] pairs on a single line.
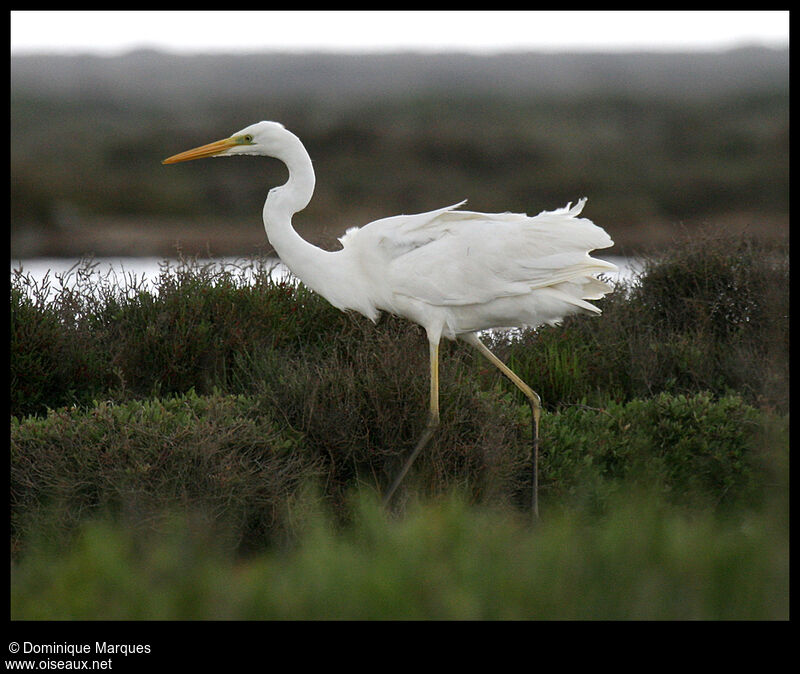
[[323, 271]]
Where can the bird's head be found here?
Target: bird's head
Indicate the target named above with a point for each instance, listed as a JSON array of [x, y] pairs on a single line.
[[262, 138]]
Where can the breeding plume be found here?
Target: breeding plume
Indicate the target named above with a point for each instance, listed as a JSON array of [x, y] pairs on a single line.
[[453, 272]]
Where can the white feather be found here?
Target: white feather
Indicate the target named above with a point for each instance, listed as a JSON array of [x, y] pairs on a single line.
[[449, 259]]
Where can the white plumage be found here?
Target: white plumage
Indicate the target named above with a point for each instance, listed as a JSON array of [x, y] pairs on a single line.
[[456, 272], [453, 272]]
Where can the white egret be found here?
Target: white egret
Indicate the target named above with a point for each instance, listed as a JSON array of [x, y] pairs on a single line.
[[453, 272]]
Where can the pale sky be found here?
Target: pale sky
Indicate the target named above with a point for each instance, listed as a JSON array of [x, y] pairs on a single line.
[[477, 31]]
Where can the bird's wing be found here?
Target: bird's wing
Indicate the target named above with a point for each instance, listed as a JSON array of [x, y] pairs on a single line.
[[451, 258], [392, 237]]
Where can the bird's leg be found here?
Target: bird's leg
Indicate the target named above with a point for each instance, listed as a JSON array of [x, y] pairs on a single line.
[[430, 428], [536, 411]]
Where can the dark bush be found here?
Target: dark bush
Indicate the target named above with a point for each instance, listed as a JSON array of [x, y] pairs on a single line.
[[54, 359], [708, 315]]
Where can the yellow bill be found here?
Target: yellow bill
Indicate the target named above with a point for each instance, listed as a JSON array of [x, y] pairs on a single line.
[[203, 151]]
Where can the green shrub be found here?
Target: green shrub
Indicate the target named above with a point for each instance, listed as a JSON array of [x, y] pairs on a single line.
[[221, 454], [693, 451], [245, 460]]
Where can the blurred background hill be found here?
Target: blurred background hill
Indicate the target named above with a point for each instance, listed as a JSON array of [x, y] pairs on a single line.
[[661, 143]]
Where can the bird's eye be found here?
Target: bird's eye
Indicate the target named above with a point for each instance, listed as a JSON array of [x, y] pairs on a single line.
[[248, 138]]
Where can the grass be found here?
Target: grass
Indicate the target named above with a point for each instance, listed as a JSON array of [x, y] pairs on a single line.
[[215, 448], [442, 561]]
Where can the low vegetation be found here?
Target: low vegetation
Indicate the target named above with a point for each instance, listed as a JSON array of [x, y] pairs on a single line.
[[216, 448], [443, 560]]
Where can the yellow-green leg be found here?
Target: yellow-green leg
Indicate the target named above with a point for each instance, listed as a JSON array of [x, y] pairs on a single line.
[[536, 411], [430, 428]]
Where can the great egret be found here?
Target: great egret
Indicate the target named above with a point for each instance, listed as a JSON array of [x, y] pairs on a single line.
[[453, 272]]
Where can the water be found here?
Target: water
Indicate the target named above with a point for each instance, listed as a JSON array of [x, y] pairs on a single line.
[[141, 272], [146, 270]]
